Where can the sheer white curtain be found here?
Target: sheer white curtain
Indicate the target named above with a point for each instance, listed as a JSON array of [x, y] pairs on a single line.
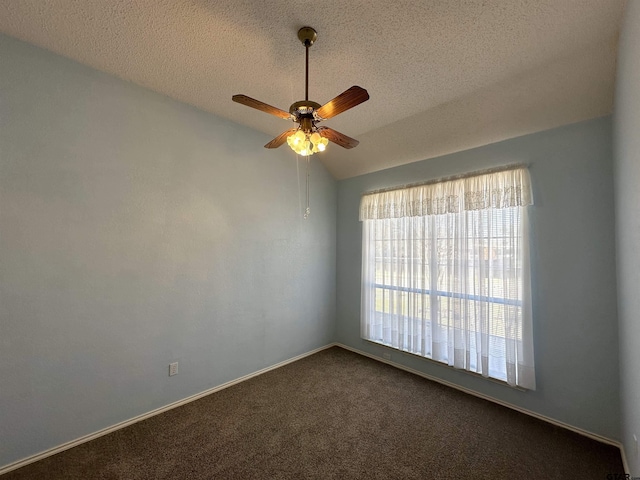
[[446, 273]]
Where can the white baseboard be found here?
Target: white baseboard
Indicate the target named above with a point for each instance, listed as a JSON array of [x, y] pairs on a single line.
[[531, 413], [144, 416], [624, 460]]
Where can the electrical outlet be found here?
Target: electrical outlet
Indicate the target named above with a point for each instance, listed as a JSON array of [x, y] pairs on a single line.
[[173, 369], [635, 444], [386, 356]]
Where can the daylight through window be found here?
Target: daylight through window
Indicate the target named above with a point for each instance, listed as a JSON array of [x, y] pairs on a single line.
[[446, 273]]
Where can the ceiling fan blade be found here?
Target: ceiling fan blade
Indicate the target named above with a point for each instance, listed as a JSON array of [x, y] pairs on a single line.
[[338, 138], [346, 100], [263, 107], [280, 139]]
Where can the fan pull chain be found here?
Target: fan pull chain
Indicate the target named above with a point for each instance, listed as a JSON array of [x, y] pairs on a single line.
[[307, 211], [298, 178]]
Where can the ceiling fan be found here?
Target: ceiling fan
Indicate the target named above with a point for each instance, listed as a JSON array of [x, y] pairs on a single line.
[[308, 138]]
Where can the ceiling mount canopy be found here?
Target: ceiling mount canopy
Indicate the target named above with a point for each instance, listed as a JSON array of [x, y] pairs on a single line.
[[309, 138], [307, 36]]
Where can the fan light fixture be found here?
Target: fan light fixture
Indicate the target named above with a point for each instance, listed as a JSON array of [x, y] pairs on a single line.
[[306, 144]]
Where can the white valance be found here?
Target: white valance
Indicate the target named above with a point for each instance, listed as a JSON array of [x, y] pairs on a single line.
[[493, 189]]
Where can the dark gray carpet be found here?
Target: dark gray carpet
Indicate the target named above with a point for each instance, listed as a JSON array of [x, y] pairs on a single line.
[[335, 414]]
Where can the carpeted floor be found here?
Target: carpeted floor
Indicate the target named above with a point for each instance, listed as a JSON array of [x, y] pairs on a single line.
[[335, 414]]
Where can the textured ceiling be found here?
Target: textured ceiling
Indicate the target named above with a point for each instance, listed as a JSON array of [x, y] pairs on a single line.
[[443, 75]]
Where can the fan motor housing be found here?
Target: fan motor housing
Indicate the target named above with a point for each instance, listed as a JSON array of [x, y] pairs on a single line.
[[304, 107], [306, 124]]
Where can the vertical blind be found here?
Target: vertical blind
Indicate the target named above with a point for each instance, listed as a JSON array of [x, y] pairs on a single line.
[[446, 273]]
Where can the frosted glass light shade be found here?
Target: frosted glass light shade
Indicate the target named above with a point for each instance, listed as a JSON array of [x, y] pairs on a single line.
[[306, 144]]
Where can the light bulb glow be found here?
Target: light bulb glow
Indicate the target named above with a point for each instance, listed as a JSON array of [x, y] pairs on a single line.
[[308, 143]]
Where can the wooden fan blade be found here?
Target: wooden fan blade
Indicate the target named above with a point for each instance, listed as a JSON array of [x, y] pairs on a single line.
[[263, 107], [338, 138], [346, 100], [280, 139]]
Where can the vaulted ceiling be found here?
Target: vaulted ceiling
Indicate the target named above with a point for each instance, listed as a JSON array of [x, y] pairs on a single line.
[[443, 75]]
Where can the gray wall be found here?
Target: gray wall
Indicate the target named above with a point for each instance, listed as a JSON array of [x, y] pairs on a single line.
[[136, 231], [573, 277], [627, 179]]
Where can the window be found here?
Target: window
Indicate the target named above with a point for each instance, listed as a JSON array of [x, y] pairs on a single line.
[[446, 273]]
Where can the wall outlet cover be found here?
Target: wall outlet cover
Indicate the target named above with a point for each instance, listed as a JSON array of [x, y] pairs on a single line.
[[173, 369]]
